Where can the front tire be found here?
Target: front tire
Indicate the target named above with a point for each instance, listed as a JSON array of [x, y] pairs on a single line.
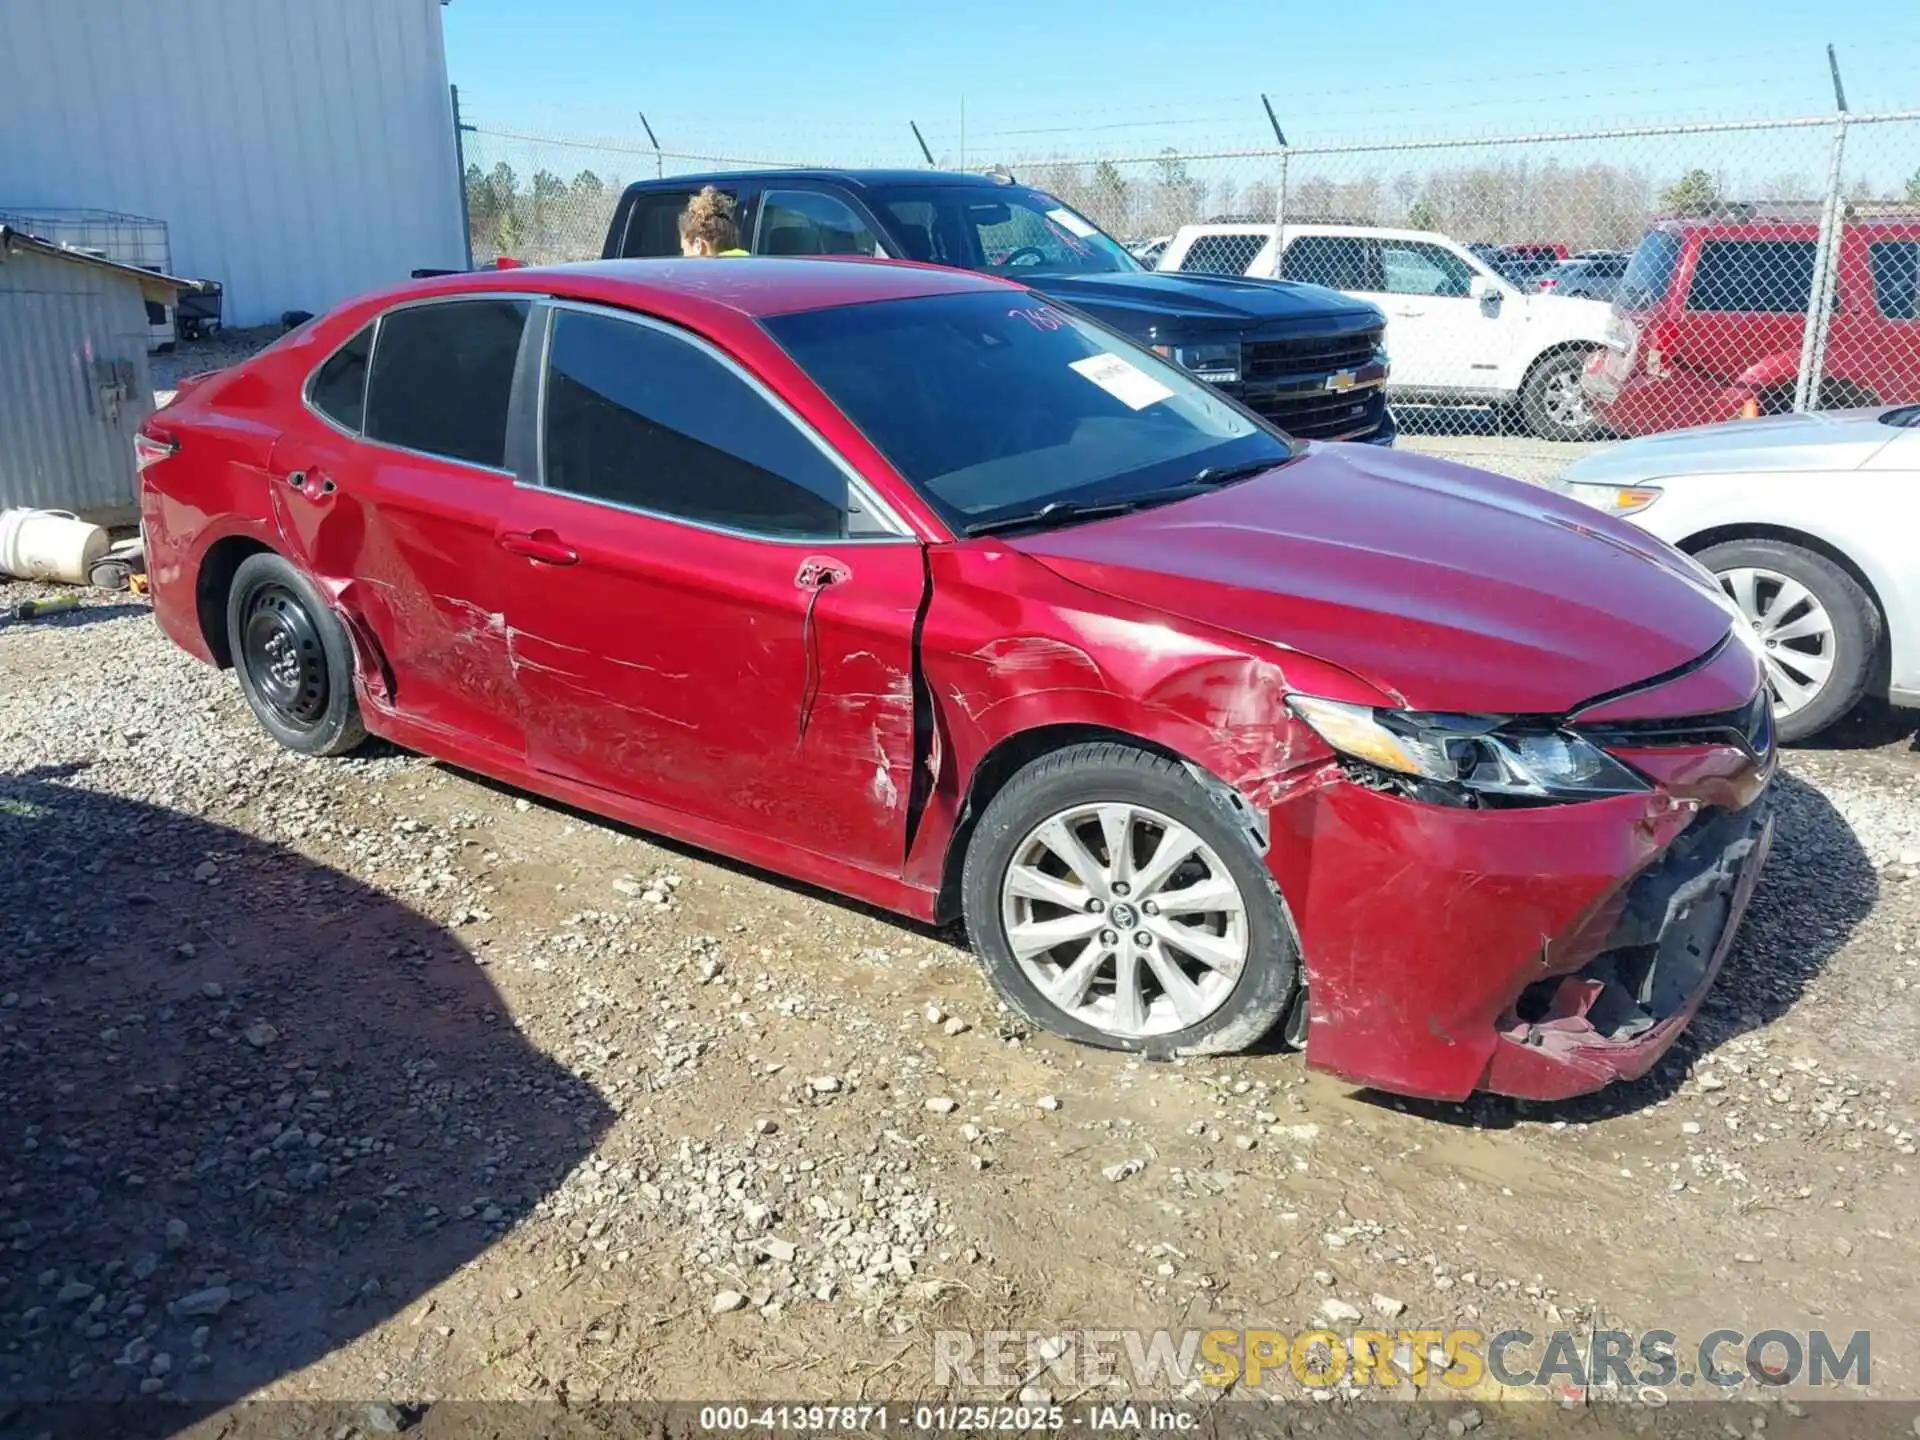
[[1820, 631], [1552, 402], [1115, 903], [293, 658]]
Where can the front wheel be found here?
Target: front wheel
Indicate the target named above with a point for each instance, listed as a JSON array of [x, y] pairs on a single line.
[[1553, 403], [1114, 902], [1818, 630]]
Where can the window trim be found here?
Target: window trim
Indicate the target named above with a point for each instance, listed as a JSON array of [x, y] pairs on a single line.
[[771, 190], [533, 300], [876, 505]]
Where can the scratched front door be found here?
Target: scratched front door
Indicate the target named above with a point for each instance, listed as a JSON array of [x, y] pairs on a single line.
[[717, 675]]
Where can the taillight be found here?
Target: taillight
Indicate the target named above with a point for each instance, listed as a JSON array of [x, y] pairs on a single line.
[[150, 449], [1656, 346], [1547, 282]]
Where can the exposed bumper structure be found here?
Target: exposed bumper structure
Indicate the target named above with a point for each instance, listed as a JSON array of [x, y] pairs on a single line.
[[1677, 399], [1538, 953]]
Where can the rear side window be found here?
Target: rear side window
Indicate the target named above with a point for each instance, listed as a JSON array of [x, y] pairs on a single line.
[[653, 224], [339, 389], [1768, 276], [639, 417], [1222, 254], [1339, 262], [806, 222], [1896, 278], [441, 377]]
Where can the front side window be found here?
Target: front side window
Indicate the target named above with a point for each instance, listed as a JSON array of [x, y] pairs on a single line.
[[1767, 276], [1339, 262], [991, 404], [1001, 229], [441, 378], [339, 389], [1222, 254], [1411, 268], [639, 417], [808, 222], [1896, 278]]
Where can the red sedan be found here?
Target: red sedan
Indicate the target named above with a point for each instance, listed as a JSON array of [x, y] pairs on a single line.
[[907, 583]]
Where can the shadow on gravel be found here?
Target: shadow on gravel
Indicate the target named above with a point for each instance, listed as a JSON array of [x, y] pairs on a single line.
[[1872, 724], [71, 619], [250, 1108], [1818, 887]]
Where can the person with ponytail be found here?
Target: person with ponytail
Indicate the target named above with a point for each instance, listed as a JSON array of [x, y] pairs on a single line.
[[707, 226]]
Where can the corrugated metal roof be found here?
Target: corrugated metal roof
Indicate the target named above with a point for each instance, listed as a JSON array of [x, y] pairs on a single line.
[[153, 285]]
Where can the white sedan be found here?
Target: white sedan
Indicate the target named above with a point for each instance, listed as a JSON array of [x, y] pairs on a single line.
[[1811, 523]]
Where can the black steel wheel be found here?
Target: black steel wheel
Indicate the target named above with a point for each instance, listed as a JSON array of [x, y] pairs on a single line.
[[293, 659]]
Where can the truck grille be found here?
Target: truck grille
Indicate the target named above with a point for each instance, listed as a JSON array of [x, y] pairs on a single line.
[[1290, 382], [1314, 357]]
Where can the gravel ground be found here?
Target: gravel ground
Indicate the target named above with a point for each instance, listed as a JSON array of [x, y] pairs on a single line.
[[329, 1080]]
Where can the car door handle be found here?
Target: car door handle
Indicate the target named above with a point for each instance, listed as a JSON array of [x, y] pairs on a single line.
[[542, 545]]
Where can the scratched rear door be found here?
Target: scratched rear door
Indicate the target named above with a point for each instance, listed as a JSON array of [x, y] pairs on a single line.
[[692, 624], [391, 503]]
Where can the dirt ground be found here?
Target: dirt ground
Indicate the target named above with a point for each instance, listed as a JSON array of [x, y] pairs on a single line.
[[366, 1081]]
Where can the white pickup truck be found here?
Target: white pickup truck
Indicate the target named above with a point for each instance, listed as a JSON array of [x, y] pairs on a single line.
[[1458, 332]]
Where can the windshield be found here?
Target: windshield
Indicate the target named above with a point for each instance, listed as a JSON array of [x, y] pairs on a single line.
[[1006, 230], [1650, 271], [993, 404]]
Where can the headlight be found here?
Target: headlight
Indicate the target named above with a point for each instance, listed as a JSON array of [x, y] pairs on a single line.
[[1613, 499], [1216, 362], [1485, 754]]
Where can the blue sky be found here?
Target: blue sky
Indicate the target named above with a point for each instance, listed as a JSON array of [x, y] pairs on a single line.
[[791, 79]]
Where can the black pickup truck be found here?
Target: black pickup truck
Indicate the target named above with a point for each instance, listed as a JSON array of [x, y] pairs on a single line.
[[1311, 360]]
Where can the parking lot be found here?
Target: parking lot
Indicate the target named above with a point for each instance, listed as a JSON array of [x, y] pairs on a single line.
[[367, 1077]]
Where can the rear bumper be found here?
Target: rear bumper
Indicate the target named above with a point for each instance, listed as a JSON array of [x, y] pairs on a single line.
[[1643, 404], [1537, 953]]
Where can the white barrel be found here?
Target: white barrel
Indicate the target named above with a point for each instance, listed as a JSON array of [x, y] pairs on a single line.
[[49, 545]]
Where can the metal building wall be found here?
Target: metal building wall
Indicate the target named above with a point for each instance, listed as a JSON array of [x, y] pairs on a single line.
[[300, 151], [63, 446]]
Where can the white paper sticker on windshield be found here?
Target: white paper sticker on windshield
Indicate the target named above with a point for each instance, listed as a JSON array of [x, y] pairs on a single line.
[[1127, 383], [1072, 224]]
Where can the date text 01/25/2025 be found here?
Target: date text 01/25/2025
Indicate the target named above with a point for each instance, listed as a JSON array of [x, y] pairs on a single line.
[[941, 1419]]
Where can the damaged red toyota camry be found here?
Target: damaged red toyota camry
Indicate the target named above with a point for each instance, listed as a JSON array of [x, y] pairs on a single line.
[[910, 584]]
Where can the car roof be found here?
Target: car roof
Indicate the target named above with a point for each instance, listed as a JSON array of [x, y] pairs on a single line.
[[751, 286], [853, 179], [1778, 227]]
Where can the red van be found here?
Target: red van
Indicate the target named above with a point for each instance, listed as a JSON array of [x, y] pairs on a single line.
[[1709, 319]]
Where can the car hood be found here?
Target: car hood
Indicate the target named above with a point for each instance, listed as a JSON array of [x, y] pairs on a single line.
[[1445, 587], [1134, 301], [1777, 444]]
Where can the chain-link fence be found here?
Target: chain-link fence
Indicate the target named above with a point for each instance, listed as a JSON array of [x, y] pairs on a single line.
[[1569, 286]]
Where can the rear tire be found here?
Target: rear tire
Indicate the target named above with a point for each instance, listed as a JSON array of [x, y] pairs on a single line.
[[1209, 974], [1833, 635], [293, 658], [1552, 402]]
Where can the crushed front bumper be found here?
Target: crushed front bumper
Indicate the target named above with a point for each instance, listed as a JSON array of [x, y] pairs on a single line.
[[1539, 953]]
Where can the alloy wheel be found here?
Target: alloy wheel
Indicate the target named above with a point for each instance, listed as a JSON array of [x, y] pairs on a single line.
[[1125, 919], [1564, 402], [1795, 632], [284, 657]]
